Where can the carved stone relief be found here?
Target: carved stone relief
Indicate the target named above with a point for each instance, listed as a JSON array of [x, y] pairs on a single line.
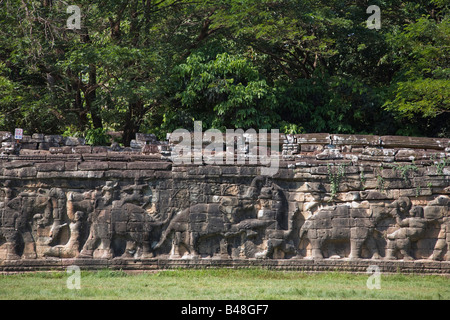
[[114, 205]]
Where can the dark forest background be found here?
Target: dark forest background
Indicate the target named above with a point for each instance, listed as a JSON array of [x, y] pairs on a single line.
[[153, 66]]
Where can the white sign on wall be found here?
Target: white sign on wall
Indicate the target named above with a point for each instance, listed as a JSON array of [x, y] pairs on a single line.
[[18, 134]]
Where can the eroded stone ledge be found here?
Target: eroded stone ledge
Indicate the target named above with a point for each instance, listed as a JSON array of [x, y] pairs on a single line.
[[323, 265]]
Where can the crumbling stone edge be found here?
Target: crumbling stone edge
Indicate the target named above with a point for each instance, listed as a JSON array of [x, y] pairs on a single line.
[[301, 265]]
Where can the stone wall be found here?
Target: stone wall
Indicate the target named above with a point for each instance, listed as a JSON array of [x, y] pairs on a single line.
[[335, 200]]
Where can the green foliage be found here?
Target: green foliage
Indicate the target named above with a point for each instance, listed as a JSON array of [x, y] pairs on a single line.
[[405, 170], [362, 178], [97, 137], [155, 66], [425, 97], [225, 92], [335, 178], [380, 180], [422, 86], [440, 164], [93, 137]]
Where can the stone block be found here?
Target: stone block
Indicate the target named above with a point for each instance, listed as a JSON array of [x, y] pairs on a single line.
[[147, 138], [61, 150], [330, 154], [99, 150], [136, 144], [92, 165], [163, 175], [39, 137], [210, 171], [372, 195], [352, 139], [150, 149], [377, 151], [71, 165], [413, 142], [146, 174], [82, 149], [413, 155], [341, 211], [311, 147], [54, 139], [117, 165], [142, 165], [435, 212], [20, 172], [337, 233], [73, 141], [230, 170], [6, 136], [51, 166], [121, 227], [313, 138], [361, 223], [121, 174], [324, 223], [29, 145], [17, 164], [359, 233], [358, 213], [45, 146]]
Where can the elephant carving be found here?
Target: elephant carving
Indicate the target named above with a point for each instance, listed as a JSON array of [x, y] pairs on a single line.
[[122, 227], [261, 210], [413, 222], [341, 223], [189, 225], [127, 232]]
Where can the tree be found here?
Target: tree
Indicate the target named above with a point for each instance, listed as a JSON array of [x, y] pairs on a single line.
[[154, 66], [422, 86], [225, 92]]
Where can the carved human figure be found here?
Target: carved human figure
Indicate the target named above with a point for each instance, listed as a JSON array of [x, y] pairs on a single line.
[[15, 227], [58, 204], [72, 248], [10, 215], [100, 219], [274, 208], [443, 242], [411, 230], [440, 209]]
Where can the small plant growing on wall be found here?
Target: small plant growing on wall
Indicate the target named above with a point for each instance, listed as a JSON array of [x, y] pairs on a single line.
[[405, 170], [362, 178], [380, 180], [440, 164], [335, 178]]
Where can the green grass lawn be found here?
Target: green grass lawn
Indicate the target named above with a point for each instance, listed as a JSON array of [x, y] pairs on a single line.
[[217, 284]]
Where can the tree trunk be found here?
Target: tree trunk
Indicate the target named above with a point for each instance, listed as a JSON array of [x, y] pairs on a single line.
[[91, 96], [133, 119]]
